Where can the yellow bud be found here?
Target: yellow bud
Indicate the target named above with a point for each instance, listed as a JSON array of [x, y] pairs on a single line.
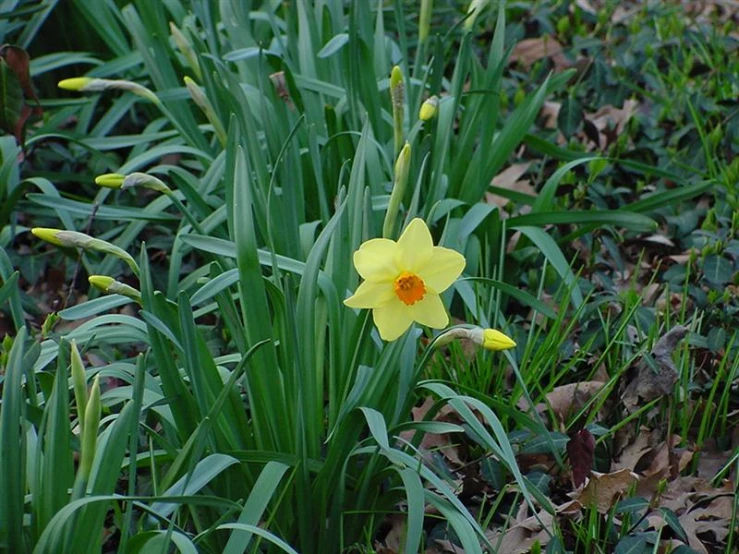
[[75, 83], [429, 108], [49, 235], [476, 6], [110, 180], [101, 282], [108, 285], [396, 77], [90, 84], [490, 339]]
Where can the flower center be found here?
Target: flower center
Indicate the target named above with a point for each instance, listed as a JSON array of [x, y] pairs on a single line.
[[409, 288]]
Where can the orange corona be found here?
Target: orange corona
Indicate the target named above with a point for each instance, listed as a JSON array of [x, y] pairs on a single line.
[[409, 288]]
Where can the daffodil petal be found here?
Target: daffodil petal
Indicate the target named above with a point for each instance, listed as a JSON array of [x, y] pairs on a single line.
[[375, 260], [430, 312], [392, 320], [442, 269], [371, 295], [415, 246]]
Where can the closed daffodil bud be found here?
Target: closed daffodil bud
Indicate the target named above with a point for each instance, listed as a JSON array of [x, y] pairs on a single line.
[[74, 239], [424, 19], [75, 83], [397, 96], [110, 180], [489, 339], [93, 84], [476, 6], [79, 384], [108, 285], [429, 109], [203, 102], [48, 235], [402, 167], [136, 179], [90, 431], [185, 48]]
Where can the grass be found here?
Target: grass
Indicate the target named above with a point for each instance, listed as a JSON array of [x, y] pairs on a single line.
[[217, 396]]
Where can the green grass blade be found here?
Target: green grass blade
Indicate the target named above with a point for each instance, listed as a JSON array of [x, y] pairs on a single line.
[[259, 498], [57, 476], [12, 471]]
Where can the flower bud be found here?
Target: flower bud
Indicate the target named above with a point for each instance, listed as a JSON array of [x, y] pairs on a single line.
[[93, 84], [491, 339], [48, 235], [476, 6], [75, 83], [74, 239], [429, 109], [202, 101], [110, 180], [79, 384], [424, 19], [402, 167], [90, 431], [185, 48], [397, 96], [108, 285]]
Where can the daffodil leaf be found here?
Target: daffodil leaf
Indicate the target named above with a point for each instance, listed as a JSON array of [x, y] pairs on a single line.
[[621, 218], [522, 296], [11, 98], [334, 45]]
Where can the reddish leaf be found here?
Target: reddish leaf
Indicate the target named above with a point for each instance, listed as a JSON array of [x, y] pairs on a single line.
[[17, 91], [581, 449]]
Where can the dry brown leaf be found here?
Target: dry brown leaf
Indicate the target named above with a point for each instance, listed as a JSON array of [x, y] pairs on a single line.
[[530, 50], [648, 384], [703, 520], [443, 547], [631, 454], [586, 6], [711, 459], [549, 113], [656, 238], [611, 121], [604, 489], [523, 532], [570, 398], [435, 442], [393, 541], [510, 179]]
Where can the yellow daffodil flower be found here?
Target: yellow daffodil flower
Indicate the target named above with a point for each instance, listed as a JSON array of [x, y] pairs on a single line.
[[403, 280]]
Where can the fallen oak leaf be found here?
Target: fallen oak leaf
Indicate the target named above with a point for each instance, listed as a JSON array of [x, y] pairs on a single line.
[[570, 398], [657, 376], [604, 489], [530, 50]]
